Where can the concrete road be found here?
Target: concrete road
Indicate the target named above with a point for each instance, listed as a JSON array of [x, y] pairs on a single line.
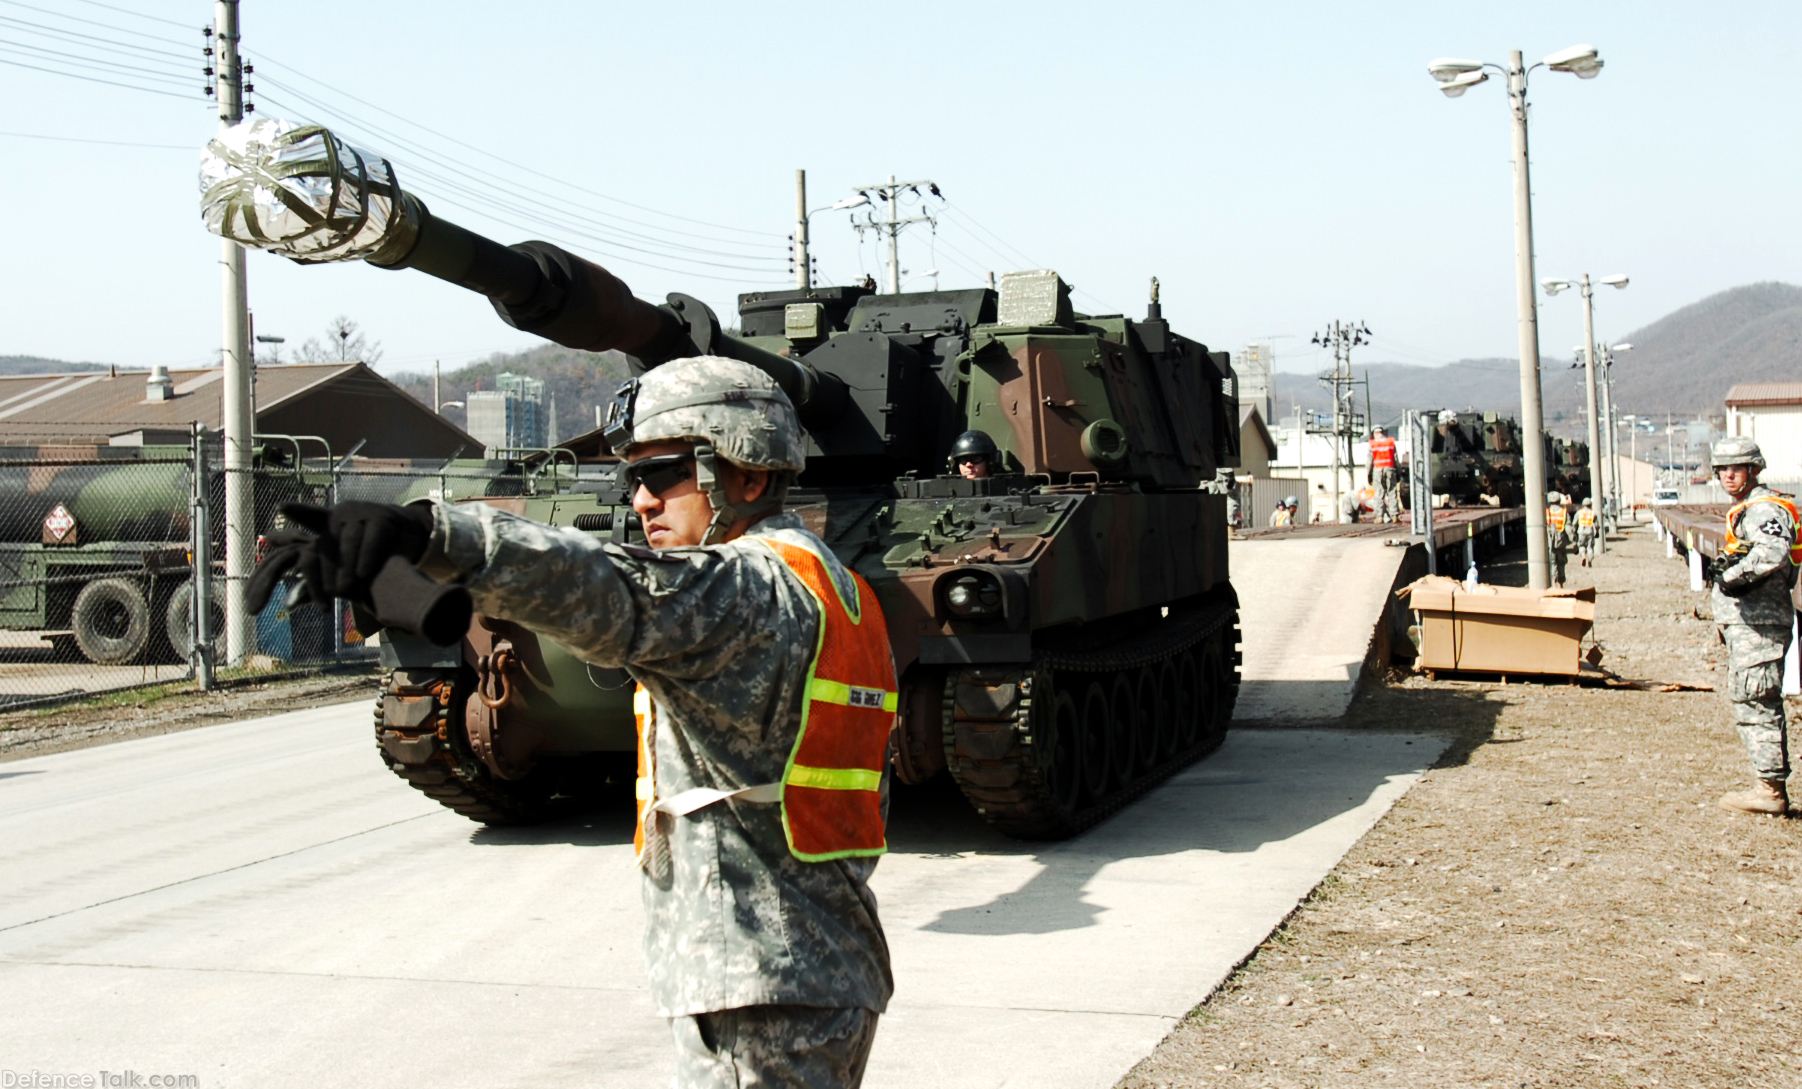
[[262, 905], [30, 667], [1308, 610]]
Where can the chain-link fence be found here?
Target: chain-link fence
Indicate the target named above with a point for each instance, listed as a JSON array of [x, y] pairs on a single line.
[[99, 547], [95, 579]]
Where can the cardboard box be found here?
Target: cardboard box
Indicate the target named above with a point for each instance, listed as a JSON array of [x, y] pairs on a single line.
[[1501, 629]]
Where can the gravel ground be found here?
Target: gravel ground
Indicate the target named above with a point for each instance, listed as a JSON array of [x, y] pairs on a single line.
[[1558, 903], [117, 716]]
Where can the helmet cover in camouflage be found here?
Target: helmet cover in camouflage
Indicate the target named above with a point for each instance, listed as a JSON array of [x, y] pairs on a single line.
[[1736, 450], [735, 408]]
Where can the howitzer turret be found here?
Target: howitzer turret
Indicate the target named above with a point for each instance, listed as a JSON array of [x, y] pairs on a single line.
[[1064, 628]]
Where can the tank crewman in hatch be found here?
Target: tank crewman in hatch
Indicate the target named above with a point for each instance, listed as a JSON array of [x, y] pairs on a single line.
[[1754, 576], [1384, 476], [766, 696], [974, 456]]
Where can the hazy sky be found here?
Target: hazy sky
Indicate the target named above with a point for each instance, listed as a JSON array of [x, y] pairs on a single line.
[[1276, 165]]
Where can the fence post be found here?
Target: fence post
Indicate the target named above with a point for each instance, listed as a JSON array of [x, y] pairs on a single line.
[[200, 566]]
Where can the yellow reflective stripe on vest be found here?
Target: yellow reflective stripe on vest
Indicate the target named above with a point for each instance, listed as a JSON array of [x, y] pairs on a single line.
[[834, 778], [845, 695], [645, 790]]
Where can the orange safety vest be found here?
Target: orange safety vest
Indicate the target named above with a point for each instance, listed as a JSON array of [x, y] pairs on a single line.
[[1382, 453], [1795, 521], [1554, 518], [1586, 518], [831, 788]]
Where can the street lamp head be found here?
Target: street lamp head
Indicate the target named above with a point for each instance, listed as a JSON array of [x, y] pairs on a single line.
[[1458, 84], [857, 201], [1581, 61], [1553, 287], [1621, 348], [1446, 69], [1615, 281]]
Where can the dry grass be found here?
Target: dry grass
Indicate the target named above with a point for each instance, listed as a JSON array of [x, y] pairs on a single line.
[[1559, 903]]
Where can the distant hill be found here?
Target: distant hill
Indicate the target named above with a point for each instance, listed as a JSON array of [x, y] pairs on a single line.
[[34, 364], [578, 380], [1682, 364]]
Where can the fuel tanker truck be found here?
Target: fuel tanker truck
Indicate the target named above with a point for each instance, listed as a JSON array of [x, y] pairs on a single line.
[[96, 542], [1065, 631]]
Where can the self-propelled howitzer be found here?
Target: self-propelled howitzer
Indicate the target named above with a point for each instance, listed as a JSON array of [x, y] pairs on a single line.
[[1065, 630]]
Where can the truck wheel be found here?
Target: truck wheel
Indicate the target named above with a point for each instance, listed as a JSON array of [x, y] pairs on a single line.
[[178, 619], [111, 621]]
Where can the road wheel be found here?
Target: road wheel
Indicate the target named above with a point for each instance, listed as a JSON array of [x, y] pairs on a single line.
[[178, 620], [111, 619], [1097, 723]]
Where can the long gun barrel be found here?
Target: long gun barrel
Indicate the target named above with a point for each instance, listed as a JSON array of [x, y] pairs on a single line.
[[302, 192]]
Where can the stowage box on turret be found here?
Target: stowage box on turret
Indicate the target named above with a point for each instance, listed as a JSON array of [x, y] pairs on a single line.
[[1064, 628]]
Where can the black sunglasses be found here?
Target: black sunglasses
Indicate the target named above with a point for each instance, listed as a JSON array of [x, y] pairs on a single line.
[[657, 474]]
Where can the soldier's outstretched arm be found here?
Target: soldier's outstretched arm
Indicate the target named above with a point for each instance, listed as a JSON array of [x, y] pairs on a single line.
[[677, 610], [1767, 531]]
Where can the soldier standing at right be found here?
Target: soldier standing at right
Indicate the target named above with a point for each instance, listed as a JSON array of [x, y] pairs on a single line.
[[1754, 577], [1557, 531]]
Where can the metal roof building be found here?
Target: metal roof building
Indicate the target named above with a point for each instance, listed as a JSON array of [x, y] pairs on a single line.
[[342, 403], [1770, 413]]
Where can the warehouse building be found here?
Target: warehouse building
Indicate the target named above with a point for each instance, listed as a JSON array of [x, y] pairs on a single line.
[[345, 404]]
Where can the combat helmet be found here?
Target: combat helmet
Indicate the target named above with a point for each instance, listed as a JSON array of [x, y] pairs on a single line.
[[1735, 450], [730, 410], [974, 444]]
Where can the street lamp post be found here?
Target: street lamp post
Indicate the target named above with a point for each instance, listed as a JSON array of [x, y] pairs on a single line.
[[1455, 77], [1601, 472]]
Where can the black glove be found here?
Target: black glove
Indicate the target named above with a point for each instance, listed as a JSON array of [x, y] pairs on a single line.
[[1717, 573], [357, 538]]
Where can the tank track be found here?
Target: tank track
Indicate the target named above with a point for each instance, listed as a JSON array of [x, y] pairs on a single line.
[[419, 733], [1001, 725]]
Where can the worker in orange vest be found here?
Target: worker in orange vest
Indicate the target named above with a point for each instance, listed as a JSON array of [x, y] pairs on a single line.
[[1384, 476], [1558, 537], [1754, 578], [1586, 533], [766, 696]]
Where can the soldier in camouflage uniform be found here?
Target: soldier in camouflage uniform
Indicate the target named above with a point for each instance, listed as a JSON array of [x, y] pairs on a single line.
[[772, 970], [1558, 535], [1754, 577]]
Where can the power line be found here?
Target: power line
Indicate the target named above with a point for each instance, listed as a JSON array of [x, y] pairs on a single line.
[[493, 204], [40, 53], [90, 22], [138, 14], [110, 143], [509, 189], [92, 79], [107, 43], [521, 167]]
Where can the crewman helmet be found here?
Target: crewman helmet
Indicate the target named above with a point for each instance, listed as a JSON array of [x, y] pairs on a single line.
[[1589, 502], [1736, 450], [973, 444], [1552, 499], [1291, 501]]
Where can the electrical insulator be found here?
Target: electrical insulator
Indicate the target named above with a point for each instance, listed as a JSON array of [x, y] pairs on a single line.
[[249, 68]]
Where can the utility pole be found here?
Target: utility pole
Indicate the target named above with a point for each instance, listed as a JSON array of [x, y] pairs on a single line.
[[890, 194], [803, 275], [437, 397], [1347, 423], [238, 415], [1598, 474]]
